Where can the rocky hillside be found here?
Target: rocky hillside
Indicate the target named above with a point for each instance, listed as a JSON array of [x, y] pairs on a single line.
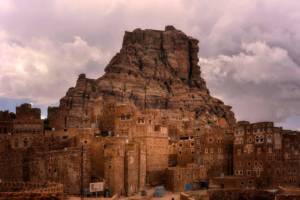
[[154, 69]]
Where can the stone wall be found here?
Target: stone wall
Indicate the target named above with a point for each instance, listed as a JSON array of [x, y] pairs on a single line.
[[114, 157], [267, 153], [238, 194], [28, 120], [29, 190], [213, 150], [63, 166], [11, 162], [6, 122], [177, 178]]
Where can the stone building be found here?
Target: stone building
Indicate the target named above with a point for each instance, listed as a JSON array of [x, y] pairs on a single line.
[[154, 137], [69, 166], [6, 122], [145, 128], [186, 150], [28, 120], [287, 170], [268, 153], [185, 178], [22, 128], [11, 162], [125, 167], [214, 151], [114, 157]]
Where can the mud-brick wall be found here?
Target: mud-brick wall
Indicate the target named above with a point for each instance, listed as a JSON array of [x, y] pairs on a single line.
[[11, 163], [236, 194], [63, 166]]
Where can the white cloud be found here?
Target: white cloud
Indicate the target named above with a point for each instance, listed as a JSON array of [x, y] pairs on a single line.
[[261, 82], [42, 70], [6, 6]]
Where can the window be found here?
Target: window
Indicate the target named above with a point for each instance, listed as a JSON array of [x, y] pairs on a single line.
[[141, 120], [239, 152], [259, 139], [259, 150], [123, 117], [238, 140], [269, 138], [270, 150], [248, 172], [249, 140], [219, 150], [128, 116], [206, 150], [248, 148], [157, 128]]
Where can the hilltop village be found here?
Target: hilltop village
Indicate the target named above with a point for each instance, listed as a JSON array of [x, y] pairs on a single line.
[[148, 121]]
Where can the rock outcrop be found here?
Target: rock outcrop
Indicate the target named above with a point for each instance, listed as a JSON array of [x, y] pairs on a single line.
[[154, 69]]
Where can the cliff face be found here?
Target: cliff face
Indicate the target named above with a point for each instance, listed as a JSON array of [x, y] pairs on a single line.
[[154, 69]]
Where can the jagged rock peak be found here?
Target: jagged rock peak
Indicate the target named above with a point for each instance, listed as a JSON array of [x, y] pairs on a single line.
[[161, 55], [154, 69]]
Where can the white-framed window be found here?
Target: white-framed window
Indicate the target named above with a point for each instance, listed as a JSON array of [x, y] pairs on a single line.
[[259, 139]]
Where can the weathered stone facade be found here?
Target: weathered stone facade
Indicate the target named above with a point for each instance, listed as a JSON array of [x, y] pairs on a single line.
[[33, 191], [6, 122], [268, 153], [214, 150], [21, 127], [28, 120], [180, 178]]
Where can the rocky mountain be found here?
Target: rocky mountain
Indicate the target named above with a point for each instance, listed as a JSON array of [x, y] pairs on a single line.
[[154, 69]]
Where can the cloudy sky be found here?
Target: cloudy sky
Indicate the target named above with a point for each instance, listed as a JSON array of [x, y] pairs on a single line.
[[248, 48]]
